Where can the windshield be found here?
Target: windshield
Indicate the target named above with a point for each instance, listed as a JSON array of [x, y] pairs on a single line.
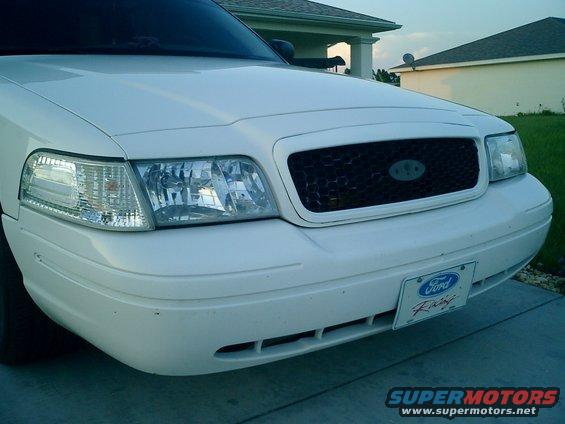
[[161, 27]]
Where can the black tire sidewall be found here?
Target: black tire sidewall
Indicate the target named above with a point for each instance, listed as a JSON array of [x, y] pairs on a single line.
[[11, 281], [5, 256], [3, 315]]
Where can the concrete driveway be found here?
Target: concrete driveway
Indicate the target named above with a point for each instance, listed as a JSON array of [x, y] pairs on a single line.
[[511, 336]]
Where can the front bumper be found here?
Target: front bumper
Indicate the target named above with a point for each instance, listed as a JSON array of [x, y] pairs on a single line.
[[168, 301]]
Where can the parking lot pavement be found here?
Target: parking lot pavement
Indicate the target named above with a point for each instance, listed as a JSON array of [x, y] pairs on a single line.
[[510, 336]]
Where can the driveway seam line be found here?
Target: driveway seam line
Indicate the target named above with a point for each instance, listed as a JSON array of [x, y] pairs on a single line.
[[354, 380]]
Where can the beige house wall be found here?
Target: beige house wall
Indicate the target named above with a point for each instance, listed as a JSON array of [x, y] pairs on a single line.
[[499, 89]]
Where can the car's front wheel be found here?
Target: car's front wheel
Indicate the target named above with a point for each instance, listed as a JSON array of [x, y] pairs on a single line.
[[26, 333]]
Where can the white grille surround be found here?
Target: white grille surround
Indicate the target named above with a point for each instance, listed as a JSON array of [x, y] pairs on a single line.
[[371, 134]]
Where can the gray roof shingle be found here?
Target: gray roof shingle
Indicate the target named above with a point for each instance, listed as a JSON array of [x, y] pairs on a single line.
[[300, 6], [538, 38]]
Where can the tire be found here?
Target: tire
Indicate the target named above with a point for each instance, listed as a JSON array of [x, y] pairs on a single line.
[[26, 333]]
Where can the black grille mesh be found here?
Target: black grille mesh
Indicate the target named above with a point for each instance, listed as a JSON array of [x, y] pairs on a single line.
[[356, 176]]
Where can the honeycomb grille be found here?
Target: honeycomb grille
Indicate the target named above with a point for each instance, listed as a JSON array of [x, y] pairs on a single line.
[[361, 175]]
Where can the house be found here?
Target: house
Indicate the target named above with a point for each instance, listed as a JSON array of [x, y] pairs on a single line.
[[313, 27], [521, 70]]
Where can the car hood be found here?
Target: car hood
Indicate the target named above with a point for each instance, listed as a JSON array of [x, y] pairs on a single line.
[[135, 94]]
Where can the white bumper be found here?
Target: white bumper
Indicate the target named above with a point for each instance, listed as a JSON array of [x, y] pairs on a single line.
[[166, 301]]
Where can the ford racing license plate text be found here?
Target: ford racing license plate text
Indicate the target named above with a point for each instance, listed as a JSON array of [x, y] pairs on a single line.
[[434, 294]]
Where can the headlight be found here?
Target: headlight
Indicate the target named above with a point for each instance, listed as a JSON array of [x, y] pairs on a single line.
[[206, 190], [95, 193], [506, 156]]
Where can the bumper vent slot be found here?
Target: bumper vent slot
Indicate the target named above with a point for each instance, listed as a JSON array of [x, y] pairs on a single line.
[[362, 175], [287, 339], [351, 329]]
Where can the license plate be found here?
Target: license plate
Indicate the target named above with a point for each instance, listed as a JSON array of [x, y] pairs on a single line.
[[433, 294]]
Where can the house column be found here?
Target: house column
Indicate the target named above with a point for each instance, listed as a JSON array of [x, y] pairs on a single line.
[[362, 56]]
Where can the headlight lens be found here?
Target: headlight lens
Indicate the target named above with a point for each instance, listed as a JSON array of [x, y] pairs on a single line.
[[98, 194], [207, 190], [506, 156]]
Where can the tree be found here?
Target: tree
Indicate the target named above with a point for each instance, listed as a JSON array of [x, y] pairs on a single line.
[[382, 75]]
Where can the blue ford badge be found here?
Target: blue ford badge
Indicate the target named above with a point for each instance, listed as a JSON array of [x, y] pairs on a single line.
[[438, 284], [407, 170]]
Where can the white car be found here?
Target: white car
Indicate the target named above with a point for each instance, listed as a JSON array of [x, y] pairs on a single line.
[[182, 198]]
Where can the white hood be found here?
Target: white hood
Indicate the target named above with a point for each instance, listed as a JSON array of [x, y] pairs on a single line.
[[133, 94]]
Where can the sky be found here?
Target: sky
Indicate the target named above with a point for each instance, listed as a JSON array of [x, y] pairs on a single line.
[[431, 26]]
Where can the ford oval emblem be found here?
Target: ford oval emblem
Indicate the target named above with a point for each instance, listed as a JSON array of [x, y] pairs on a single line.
[[438, 284], [407, 170]]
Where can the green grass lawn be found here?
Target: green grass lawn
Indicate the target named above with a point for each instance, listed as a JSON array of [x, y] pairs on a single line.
[[544, 142]]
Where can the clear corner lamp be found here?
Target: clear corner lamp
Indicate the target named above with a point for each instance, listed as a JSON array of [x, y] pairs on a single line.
[[95, 193], [206, 190], [506, 156]]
